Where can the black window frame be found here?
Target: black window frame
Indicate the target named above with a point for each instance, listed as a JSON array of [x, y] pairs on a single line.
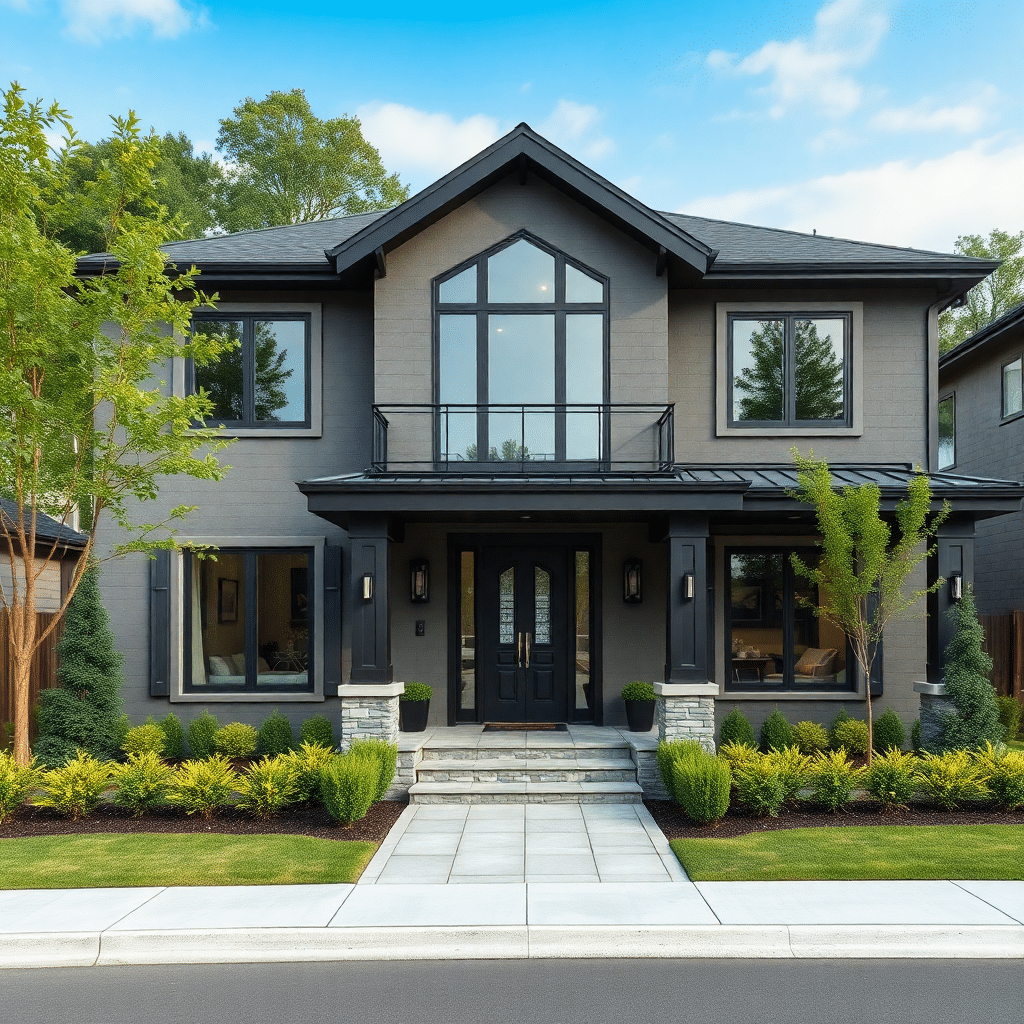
[[789, 420], [942, 467], [248, 349], [559, 307], [1003, 414], [250, 597]]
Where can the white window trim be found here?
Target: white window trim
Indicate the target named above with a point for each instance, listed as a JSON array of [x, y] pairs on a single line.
[[316, 346], [178, 694], [856, 312]]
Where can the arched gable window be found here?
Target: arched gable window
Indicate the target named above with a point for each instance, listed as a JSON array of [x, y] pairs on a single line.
[[522, 367]]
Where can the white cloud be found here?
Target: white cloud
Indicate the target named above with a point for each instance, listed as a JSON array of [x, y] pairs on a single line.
[[574, 126], [925, 205], [93, 20], [422, 140], [923, 116], [815, 70]]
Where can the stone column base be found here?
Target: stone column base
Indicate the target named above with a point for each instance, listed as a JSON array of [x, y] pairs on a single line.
[[935, 703], [369, 711], [686, 711]]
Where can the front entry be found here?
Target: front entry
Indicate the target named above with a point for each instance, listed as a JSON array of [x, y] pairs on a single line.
[[525, 645]]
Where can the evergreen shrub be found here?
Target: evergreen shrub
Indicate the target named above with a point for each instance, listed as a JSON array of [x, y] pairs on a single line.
[[1009, 715], [16, 782], [75, 787], [174, 736], [738, 754], [850, 735], [200, 787], [53, 751], [892, 779], [776, 733], [384, 755], [348, 785], [793, 767], [317, 729], [915, 736], [833, 779], [141, 781], [671, 752], [267, 786], [417, 691], [889, 733], [702, 786], [951, 778], [1005, 775], [309, 760], [236, 739], [736, 728], [810, 737], [842, 715], [275, 735], [201, 733], [760, 786], [147, 737]]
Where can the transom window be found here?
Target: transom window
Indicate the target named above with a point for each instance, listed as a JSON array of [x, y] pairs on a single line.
[[521, 355], [789, 369], [263, 381]]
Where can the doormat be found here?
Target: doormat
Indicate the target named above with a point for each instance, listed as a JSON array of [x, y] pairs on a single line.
[[524, 726]]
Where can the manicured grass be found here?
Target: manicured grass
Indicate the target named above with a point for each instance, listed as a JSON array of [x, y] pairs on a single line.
[[874, 851], [1015, 744], [86, 861]]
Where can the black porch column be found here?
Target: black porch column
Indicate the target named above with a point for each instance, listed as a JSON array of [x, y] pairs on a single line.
[[369, 615], [954, 554], [686, 637]]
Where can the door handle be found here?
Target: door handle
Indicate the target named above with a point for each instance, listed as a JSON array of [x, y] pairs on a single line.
[[519, 648], [528, 635]]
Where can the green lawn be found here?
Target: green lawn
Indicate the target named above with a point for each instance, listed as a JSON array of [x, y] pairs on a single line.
[[1016, 744], [86, 861], [874, 851]]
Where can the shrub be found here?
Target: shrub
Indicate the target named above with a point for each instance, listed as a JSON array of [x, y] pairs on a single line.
[[347, 787], [202, 786], [810, 737], [842, 715], [275, 735], [1005, 775], [738, 754], [53, 751], [309, 761], [317, 729], [833, 779], [638, 691], [75, 788], [16, 780], [236, 739], [384, 755], [141, 781], [144, 738], [760, 786], [889, 733], [267, 786], [1009, 715], [417, 691], [892, 779], [776, 733], [702, 787], [915, 735], [736, 728], [850, 735], [671, 752], [201, 732], [794, 769], [174, 736], [950, 778]]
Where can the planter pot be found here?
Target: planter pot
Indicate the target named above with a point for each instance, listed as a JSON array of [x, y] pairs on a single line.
[[412, 715], [640, 715]]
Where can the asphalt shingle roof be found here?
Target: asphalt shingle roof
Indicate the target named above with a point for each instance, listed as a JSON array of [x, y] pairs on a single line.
[[47, 528]]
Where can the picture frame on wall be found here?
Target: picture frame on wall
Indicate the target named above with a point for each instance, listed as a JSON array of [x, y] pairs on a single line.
[[227, 600]]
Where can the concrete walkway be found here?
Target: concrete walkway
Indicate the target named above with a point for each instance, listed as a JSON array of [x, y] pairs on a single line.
[[86, 927]]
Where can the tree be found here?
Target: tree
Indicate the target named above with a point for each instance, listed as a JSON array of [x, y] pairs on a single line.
[[83, 421], [862, 570], [997, 294], [287, 166]]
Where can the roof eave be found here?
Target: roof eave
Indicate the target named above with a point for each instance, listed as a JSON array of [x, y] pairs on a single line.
[[990, 334]]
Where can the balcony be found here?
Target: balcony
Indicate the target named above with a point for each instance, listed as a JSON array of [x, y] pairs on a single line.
[[529, 440]]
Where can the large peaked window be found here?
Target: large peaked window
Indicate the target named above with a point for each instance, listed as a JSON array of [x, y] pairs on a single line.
[[521, 335]]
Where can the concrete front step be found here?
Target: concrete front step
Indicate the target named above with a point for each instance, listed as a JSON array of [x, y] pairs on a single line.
[[569, 751], [528, 770], [525, 793]]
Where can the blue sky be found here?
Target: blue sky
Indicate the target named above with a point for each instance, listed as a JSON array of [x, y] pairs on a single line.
[[891, 121]]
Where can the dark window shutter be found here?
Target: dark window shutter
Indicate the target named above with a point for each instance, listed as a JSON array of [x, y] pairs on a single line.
[[332, 619], [160, 625]]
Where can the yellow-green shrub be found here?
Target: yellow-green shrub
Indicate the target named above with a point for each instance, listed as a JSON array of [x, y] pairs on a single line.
[[147, 737], [761, 786], [16, 781], [851, 735], [236, 739], [141, 781], [834, 778], [347, 787], [810, 737], [701, 786], [951, 778], [1004, 771], [891, 779], [76, 786], [202, 786], [738, 754], [267, 786]]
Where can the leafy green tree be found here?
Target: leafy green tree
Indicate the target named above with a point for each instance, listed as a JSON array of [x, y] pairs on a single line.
[[83, 423], [862, 572], [996, 295], [288, 166]]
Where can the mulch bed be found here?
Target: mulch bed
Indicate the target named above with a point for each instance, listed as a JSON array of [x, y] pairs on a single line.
[[300, 821], [676, 825]]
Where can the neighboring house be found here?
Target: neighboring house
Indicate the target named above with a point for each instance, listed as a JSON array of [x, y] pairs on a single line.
[[981, 431], [525, 439]]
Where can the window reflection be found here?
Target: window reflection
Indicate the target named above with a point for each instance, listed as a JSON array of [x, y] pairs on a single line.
[[521, 273]]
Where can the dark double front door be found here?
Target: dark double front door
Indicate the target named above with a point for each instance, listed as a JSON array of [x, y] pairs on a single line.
[[525, 644]]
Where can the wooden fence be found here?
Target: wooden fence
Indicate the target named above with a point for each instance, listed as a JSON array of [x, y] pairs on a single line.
[[1004, 641], [44, 668]]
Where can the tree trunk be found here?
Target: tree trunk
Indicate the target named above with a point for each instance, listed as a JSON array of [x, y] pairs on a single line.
[[22, 658]]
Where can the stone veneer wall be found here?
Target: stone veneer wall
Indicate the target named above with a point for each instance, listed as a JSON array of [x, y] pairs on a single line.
[[369, 712], [687, 718]]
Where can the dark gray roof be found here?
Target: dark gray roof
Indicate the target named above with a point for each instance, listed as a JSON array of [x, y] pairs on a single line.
[[993, 333], [47, 528]]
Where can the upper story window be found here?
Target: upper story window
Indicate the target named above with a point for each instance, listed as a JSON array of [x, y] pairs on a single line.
[[789, 370], [947, 432], [264, 381], [1013, 399], [521, 357]]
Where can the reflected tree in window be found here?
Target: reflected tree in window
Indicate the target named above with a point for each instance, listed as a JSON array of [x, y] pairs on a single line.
[[819, 374], [271, 374], [510, 451], [761, 385]]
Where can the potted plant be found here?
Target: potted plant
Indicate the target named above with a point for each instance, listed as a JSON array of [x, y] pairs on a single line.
[[640, 701], [413, 707]]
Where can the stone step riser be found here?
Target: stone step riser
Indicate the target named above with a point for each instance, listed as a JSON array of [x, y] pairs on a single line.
[[525, 798], [471, 774], [569, 753]]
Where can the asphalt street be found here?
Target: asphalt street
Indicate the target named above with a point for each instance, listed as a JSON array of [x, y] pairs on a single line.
[[524, 992]]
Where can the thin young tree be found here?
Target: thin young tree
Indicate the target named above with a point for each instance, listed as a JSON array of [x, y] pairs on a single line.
[[863, 570]]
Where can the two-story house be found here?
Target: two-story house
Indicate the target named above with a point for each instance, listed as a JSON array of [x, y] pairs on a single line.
[[525, 439]]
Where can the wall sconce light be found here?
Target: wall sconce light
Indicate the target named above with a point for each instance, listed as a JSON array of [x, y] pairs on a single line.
[[956, 586], [367, 587], [632, 592], [688, 586], [419, 581]]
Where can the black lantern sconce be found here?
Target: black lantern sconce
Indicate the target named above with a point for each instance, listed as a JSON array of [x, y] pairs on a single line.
[[367, 587], [632, 590], [956, 586], [419, 581], [688, 586]]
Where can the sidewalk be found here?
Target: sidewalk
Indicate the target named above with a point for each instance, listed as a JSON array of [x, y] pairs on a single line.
[[86, 927]]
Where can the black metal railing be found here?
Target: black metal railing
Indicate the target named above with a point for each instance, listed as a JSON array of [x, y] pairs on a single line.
[[535, 438]]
